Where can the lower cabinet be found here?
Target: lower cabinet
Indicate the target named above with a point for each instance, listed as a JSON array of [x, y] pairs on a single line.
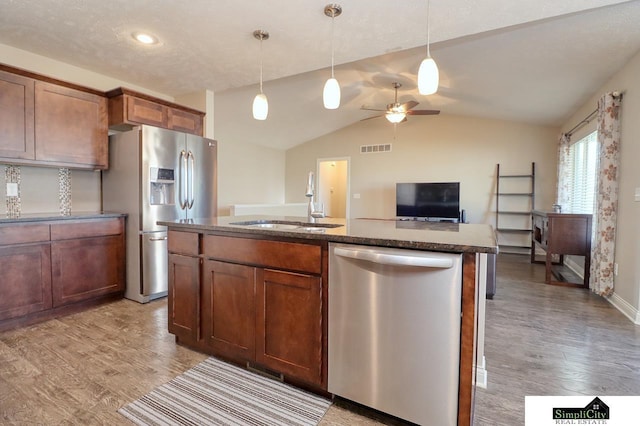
[[229, 309], [288, 323], [252, 310], [48, 265], [86, 268], [184, 296], [25, 280]]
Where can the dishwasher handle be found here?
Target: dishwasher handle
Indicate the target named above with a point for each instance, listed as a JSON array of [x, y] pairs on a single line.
[[394, 259]]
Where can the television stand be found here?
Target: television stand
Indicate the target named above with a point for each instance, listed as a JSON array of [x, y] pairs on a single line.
[[430, 219]]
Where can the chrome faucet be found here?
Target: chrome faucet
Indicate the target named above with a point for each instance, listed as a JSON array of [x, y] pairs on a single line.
[[312, 213]]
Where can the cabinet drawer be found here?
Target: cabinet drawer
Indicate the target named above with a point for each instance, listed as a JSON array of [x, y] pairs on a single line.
[[23, 234], [184, 243], [86, 228], [272, 254]]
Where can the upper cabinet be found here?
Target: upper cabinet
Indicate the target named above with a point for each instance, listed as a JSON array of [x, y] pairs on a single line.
[[46, 122], [71, 126], [16, 116], [128, 108]]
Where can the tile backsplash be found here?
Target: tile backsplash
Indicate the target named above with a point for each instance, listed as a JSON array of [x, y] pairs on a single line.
[[12, 176], [64, 194]]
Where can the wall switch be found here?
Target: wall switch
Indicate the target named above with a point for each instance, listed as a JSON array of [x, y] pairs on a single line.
[[615, 269], [12, 189], [356, 196], [637, 195]]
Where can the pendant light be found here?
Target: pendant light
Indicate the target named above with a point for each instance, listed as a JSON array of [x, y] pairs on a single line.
[[260, 104], [428, 76], [331, 92]]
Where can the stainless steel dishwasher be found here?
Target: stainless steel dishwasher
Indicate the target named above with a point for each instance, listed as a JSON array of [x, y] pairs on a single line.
[[394, 330]]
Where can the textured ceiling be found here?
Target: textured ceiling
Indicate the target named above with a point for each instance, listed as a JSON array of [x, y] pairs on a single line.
[[529, 60]]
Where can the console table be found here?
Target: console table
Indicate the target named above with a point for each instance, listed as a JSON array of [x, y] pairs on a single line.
[[561, 234]]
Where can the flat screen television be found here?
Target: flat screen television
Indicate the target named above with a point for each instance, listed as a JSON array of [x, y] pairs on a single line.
[[428, 201]]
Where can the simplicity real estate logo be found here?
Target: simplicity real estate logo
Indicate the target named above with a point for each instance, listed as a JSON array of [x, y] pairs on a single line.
[[595, 412]]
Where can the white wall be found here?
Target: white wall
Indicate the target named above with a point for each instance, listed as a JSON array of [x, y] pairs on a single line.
[[248, 174], [431, 149], [627, 252]]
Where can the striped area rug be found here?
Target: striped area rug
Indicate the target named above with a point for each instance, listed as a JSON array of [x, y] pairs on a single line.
[[217, 393]]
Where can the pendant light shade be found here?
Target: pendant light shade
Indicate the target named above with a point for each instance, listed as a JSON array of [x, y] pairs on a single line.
[[260, 107], [260, 103], [428, 75], [331, 92]]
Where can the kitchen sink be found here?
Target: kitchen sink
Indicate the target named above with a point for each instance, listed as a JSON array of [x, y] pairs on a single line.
[[282, 225], [274, 226]]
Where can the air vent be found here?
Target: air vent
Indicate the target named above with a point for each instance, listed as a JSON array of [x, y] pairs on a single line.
[[369, 149]]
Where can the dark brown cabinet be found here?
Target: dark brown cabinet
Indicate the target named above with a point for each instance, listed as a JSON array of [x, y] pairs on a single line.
[[47, 266], [560, 234], [25, 283], [229, 309], [263, 303], [184, 285], [128, 108], [16, 116], [51, 123], [70, 127], [86, 268], [289, 329]]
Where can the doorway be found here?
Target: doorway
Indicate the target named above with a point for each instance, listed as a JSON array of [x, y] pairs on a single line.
[[333, 186]]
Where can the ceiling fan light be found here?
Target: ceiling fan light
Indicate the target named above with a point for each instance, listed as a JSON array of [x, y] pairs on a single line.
[[428, 77], [331, 94], [260, 107], [395, 117]]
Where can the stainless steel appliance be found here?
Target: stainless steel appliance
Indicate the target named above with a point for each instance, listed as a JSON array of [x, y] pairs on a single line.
[[394, 331], [156, 174]]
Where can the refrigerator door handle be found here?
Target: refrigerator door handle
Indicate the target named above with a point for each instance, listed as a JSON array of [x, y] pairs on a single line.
[[183, 180], [191, 173]]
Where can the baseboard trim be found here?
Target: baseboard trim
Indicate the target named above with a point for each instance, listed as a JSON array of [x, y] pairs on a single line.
[[481, 375], [625, 307]]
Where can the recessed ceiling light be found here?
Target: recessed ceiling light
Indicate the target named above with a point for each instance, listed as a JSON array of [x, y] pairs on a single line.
[[145, 38]]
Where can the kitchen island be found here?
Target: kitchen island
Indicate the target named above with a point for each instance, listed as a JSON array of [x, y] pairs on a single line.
[[253, 289]]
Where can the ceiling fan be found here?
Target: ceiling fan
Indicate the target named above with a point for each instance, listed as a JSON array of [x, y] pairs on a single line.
[[397, 112]]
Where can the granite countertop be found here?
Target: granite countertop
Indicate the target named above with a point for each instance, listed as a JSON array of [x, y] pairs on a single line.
[[445, 237], [46, 217]]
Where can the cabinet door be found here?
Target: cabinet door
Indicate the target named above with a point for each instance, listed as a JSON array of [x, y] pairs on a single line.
[[184, 297], [70, 126], [146, 112], [289, 322], [25, 280], [16, 116], [229, 309], [86, 268], [185, 121]]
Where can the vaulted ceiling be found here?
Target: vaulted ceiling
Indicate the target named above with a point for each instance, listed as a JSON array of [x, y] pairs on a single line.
[[533, 61]]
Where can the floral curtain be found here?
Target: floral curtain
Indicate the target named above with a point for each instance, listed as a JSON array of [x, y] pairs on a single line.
[[564, 171], [604, 220]]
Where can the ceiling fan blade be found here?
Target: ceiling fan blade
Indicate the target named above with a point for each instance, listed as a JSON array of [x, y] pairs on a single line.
[[408, 105], [369, 118], [364, 108], [423, 112]]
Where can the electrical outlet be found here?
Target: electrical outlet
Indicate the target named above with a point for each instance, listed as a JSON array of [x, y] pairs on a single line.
[[615, 269], [12, 189], [356, 196]]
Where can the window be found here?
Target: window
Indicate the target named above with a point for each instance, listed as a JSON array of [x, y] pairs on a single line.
[[583, 165]]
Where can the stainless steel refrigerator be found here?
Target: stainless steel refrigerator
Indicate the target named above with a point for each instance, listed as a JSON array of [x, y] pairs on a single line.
[[156, 174]]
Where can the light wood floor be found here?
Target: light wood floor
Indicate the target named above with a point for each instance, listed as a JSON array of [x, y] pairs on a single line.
[[540, 340]]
